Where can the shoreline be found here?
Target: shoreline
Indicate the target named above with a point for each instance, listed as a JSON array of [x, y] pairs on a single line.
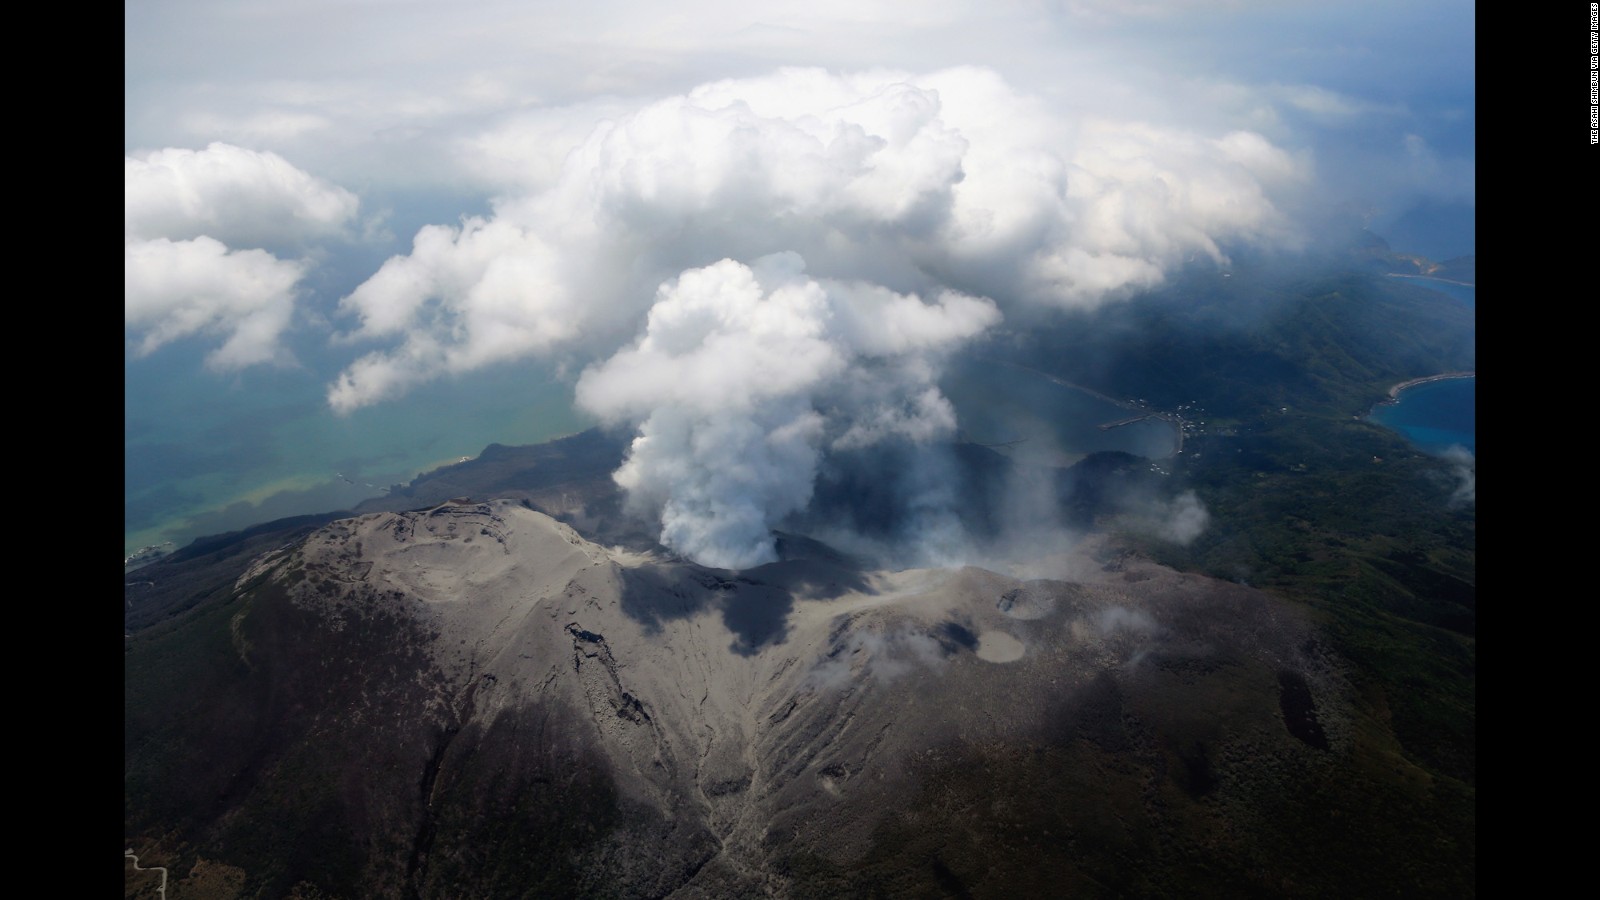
[[1432, 278], [181, 531], [1394, 392]]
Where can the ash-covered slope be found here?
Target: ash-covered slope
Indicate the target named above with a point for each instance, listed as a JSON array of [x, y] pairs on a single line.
[[473, 700]]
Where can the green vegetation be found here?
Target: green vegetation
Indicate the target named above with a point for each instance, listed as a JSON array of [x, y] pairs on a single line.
[[1329, 342], [1351, 520], [1306, 498], [1313, 503]]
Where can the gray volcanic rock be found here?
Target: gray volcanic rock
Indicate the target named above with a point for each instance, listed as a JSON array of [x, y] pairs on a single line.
[[474, 700]]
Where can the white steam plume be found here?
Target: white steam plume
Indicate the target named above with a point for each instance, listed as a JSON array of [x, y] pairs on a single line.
[[1465, 466], [745, 373], [885, 656], [1179, 520], [1184, 520]]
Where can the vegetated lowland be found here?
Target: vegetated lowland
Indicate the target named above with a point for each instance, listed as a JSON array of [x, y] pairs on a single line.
[[1306, 496], [376, 707]]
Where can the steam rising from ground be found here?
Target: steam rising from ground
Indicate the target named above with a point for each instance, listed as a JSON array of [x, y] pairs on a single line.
[[885, 655], [744, 374], [1466, 470], [1179, 520], [1185, 518]]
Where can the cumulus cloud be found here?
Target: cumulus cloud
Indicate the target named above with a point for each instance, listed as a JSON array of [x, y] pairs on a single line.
[[913, 183], [178, 288], [390, 102], [465, 297], [744, 373], [196, 223], [240, 197]]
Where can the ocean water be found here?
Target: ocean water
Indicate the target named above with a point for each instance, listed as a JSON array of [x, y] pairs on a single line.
[[1435, 416], [205, 453]]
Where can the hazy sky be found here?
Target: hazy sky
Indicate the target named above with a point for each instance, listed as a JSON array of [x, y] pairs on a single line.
[[378, 194]]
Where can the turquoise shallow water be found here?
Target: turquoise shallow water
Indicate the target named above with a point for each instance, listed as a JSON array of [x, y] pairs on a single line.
[[205, 453], [1435, 416]]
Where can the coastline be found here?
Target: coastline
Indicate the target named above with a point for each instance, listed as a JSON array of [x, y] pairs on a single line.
[[1394, 392], [1432, 278]]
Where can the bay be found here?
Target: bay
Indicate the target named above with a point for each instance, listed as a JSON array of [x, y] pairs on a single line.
[[1436, 415]]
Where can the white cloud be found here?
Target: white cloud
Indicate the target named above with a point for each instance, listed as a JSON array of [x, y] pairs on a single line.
[[1330, 105], [175, 289], [238, 196], [389, 94], [915, 183], [183, 211]]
